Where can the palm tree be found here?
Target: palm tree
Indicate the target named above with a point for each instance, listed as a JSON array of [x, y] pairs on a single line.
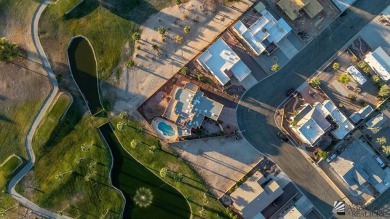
[[275, 67], [187, 29], [156, 48], [136, 36], [162, 30], [381, 140], [8, 50], [375, 129], [386, 150], [178, 39], [143, 197], [336, 66], [315, 82]]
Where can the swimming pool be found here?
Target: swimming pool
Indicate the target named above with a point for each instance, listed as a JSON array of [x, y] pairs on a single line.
[[166, 129]]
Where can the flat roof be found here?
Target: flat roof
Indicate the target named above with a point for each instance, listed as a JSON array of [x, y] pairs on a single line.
[[361, 114], [357, 166], [313, 8], [356, 74], [292, 7], [311, 123], [344, 125], [378, 121], [219, 58], [251, 198], [265, 28], [293, 213], [379, 61]]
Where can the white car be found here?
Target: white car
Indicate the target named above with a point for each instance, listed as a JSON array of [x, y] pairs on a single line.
[[385, 182]]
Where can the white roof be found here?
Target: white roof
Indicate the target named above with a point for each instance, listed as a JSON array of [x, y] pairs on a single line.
[[344, 125], [219, 58], [379, 61], [311, 131], [265, 28], [355, 73], [293, 213]]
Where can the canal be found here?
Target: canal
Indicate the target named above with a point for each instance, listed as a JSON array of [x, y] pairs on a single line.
[[83, 68], [128, 175]]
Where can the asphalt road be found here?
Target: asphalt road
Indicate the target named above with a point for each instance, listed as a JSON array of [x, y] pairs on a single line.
[[256, 110]]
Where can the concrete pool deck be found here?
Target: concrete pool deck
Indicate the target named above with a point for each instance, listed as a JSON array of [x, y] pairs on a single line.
[[155, 124]]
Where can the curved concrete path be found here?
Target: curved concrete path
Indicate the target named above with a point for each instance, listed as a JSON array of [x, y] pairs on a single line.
[[46, 65]]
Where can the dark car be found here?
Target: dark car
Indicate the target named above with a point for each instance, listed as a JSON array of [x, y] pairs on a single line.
[[282, 137], [290, 92]]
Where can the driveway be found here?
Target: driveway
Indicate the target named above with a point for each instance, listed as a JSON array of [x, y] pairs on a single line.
[[220, 161], [255, 113]]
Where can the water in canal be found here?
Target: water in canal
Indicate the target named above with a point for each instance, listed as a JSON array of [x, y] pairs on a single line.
[[83, 66]]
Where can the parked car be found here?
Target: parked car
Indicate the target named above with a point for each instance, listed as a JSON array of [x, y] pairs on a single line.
[[331, 157], [379, 161], [282, 137], [290, 92]]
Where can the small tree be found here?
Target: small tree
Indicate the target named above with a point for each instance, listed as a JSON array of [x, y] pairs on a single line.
[[163, 172], [362, 64], [178, 39], [386, 150], [384, 91], [178, 2], [134, 143], [162, 30], [156, 48], [130, 63], [381, 140], [336, 66], [8, 50], [315, 82], [375, 129], [120, 126], [275, 67], [376, 79], [323, 154], [184, 70], [187, 29], [366, 69], [344, 78], [136, 36]]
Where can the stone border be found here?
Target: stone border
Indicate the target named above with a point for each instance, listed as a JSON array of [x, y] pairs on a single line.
[[97, 73]]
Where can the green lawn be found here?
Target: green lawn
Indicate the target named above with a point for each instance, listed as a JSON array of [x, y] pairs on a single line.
[[202, 203], [108, 25], [46, 128], [72, 171], [6, 171]]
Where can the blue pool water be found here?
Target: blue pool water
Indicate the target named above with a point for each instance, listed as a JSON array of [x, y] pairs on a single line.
[[166, 129]]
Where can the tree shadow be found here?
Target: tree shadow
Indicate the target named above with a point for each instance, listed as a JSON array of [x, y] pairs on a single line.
[[3, 118]]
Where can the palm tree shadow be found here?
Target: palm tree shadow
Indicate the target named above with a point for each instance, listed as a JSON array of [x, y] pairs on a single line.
[[122, 8]]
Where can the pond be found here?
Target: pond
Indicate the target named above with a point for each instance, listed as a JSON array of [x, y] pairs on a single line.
[[83, 68], [128, 175]]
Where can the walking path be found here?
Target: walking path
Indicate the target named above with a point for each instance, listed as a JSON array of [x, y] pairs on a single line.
[[46, 66]]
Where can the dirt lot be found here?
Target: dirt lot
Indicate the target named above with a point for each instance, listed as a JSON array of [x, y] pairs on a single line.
[[220, 161], [206, 20]]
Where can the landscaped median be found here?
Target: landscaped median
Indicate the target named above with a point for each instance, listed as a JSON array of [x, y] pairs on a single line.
[[169, 167], [7, 168]]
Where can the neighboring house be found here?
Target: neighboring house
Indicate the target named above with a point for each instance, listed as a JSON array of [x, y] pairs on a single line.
[[357, 75], [378, 122], [379, 61], [188, 107], [311, 124], [255, 195], [358, 168], [344, 126], [221, 61], [361, 114], [293, 7], [264, 32]]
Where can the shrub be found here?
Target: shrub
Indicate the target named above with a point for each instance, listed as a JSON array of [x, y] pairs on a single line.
[[134, 143], [344, 78], [275, 67], [384, 91], [376, 79], [352, 97], [130, 63], [187, 29], [178, 39], [336, 66], [178, 2], [8, 50], [136, 35], [162, 30], [184, 70], [362, 64], [323, 154], [366, 69], [315, 81]]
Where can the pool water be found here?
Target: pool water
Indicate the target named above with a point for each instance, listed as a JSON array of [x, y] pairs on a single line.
[[166, 129]]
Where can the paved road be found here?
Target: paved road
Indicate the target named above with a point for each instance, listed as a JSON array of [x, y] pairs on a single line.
[[256, 110], [46, 65]]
